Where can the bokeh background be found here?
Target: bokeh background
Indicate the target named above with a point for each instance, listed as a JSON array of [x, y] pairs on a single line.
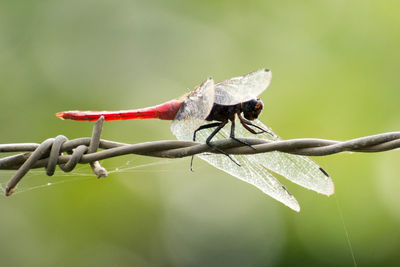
[[336, 76]]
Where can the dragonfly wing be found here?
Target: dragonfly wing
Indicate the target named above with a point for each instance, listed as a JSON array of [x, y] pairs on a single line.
[[250, 171], [194, 110], [298, 169], [243, 88], [254, 168]]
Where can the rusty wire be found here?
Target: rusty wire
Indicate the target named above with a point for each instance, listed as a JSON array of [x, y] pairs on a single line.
[[68, 153]]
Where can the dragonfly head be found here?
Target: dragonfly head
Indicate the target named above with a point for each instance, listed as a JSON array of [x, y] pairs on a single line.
[[251, 109]]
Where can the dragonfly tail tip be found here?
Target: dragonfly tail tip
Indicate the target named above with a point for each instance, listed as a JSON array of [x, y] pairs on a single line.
[[60, 115]]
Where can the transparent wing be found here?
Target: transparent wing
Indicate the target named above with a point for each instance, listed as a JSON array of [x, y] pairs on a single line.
[[254, 168], [298, 169], [243, 88], [194, 110]]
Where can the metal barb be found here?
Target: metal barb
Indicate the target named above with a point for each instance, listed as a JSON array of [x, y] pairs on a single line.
[[94, 145], [50, 152]]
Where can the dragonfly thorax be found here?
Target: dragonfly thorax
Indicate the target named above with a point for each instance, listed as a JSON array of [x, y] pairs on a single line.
[[251, 109]]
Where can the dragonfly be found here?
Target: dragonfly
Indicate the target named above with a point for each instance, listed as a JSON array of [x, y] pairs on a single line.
[[202, 115]]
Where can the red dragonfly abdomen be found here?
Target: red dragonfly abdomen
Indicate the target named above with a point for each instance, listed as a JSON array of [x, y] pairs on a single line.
[[164, 111]]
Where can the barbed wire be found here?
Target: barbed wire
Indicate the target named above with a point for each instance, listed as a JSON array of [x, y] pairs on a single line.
[[49, 153]]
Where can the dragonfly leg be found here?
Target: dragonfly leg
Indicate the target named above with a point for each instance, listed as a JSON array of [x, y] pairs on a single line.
[[208, 142], [247, 123], [206, 126], [220, 125], [232, 135]]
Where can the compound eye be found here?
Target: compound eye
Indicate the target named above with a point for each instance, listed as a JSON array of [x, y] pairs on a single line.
[[258, 106]]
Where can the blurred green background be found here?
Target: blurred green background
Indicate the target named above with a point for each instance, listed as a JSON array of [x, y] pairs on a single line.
[[335, 67]]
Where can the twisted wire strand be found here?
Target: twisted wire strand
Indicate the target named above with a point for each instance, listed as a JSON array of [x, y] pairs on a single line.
[[51, 152]]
